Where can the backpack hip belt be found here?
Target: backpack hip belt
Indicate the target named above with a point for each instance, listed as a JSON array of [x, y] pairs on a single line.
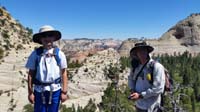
[[37, 82]]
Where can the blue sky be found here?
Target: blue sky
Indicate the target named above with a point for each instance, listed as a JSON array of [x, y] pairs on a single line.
[[118, 19]]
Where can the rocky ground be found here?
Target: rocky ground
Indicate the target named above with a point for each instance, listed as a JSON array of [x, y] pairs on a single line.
[[13, 80], [91, 83], [85, 84]]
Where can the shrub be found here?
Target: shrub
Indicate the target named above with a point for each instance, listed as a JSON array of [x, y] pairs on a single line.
[[30, 31], [1, 53], [63, 108], [1, 92], [5, 34], [28, 108], [19, 46], [86, 70]]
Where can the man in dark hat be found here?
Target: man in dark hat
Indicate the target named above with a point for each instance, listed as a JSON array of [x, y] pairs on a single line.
[[147, 84], [47, 72]]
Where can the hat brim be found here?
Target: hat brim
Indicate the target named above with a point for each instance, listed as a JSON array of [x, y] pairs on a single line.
[[37, 37], [149, 49]]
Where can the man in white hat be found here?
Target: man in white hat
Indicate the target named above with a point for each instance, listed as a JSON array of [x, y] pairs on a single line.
[[147, 84], [47, 72]]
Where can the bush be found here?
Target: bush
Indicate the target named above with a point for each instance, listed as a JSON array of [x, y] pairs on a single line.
[[86, 70], [90, 107], [8, 45], [1, 53], [69, 75], [30, 31], [19, 46], [28, 108], [63, 108], [116, 102], [5, 34], [1, 92], [74, 64], [2, 22]]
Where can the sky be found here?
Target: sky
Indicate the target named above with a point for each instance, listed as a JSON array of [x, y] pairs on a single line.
[[101, 19]]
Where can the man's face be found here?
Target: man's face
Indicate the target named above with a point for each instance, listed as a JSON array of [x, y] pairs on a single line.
[[47, 40], [142, 53]]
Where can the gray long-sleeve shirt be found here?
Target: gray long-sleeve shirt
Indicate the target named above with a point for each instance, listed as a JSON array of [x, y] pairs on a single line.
[[151, 92]]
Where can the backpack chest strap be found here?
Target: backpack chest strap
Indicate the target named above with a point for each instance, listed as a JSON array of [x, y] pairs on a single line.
[[49, 55]]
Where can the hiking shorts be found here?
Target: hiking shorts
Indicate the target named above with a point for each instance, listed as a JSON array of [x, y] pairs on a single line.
[[53, 107]]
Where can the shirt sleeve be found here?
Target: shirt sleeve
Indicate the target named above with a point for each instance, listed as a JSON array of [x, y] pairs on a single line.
[[31, 61], [158, 82], [63, 60], [131, 81]]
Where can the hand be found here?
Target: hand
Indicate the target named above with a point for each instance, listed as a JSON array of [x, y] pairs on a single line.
[[64, 97], [31, 98], [135, 96]]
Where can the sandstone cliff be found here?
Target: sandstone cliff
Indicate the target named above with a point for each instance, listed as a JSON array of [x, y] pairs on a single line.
[[185, 35], [15, 46]]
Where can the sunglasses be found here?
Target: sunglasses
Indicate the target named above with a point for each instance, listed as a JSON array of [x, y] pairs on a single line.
[[47, 35]]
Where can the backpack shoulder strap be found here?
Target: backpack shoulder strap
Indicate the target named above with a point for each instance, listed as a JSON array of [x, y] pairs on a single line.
[[140, 72], [39, 52], [56, 55], [152, 64]]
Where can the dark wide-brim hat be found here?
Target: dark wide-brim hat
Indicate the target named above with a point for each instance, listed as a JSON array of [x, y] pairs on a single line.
[[46, 30], [140, 45]]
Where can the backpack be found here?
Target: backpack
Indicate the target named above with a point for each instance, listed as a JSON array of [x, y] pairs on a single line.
[[39, 53], [168, 84], [168, 79]]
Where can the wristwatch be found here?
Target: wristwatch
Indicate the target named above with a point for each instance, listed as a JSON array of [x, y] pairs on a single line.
[[64, 92], [140, 96]]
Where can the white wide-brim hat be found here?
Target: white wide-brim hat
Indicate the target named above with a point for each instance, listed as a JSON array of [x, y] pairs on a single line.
[[46, 30]]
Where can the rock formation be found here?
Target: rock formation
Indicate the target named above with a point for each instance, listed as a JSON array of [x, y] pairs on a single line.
[[15, 46], [79, 49], [184, 36]]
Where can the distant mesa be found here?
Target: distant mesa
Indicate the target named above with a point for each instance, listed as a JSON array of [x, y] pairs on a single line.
[[79, 49]]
